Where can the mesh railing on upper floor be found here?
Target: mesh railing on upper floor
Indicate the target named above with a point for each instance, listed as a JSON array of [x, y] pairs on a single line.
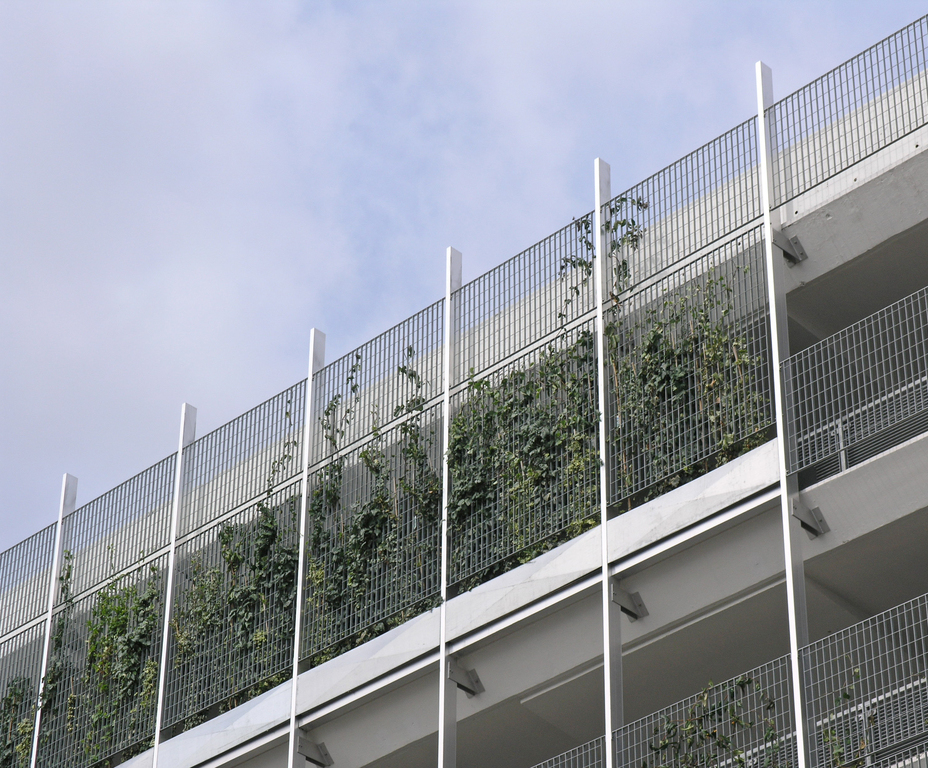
[[239, 461], [102, 685], [867, 688], [688, 371], [234, 597], [25, 570], [523, 458], [686, 207], [589, 755], [859, 391], [373, 385], [524, 300], [372, 549], [848, 114], [112, 532], [20, 669]]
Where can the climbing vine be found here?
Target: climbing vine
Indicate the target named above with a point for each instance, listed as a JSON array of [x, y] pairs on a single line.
[[234, 622], [523, 461], [121, 673], [687, 392], [844, 740], [715, 726], [686, 389], [17, 719], [373, 520]]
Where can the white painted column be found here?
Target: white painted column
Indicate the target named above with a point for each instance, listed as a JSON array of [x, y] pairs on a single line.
[[447, 689], [779, 349], [316, 364], [65, 507], [612, 627], [188, 431]]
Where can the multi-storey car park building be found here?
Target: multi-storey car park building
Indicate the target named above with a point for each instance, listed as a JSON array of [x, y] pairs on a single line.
[[681, 440]]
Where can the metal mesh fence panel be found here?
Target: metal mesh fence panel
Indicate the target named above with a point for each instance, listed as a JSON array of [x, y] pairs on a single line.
[[231, 631], [688, 371], [867, 687], [588, 755], [746, 722], [24, 573], [236, 463], [848, 114], [524, 300], [20, 668], [860, 383], [523, 458], [114, 530], [372, 558], [914, 756], [685, 207], [369, 387], [102, 683]]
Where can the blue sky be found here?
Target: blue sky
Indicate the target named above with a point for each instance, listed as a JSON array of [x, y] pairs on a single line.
[[186, 188]]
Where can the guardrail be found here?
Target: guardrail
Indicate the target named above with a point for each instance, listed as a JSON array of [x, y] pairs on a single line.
[[858, 392], [866, 692], [850, 113]]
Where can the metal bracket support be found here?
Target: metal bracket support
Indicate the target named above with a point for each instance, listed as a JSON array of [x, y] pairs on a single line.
[[811, 520], [792, 249], [315, 754], [466, 679], [630, 602]]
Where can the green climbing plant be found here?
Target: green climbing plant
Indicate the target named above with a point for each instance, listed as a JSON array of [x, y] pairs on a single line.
[[373, 517], [121, 673], [714, 728], [687, 390], [523, 461], [17, 720], [844, 738], [235, 618]]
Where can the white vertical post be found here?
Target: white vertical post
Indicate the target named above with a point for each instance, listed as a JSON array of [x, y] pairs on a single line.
[[447, 689], [612, 627], [65, 508], [316, 364], [188, 431], [779, 349]]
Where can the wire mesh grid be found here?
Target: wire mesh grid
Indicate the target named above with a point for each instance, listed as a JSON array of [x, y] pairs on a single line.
[[688, 371], [867, 687], [232, 625], [686, 207], [589, 755], [114, 530], [239, 461], [24, 574], [372, 558], [102, 685], [524, 300], [373, 385], [856, 109], [745, 722], [855, 384], [914, 756], [523, 458], [20, 669]]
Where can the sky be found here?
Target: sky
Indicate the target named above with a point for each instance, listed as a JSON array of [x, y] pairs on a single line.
[[186, 188]]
